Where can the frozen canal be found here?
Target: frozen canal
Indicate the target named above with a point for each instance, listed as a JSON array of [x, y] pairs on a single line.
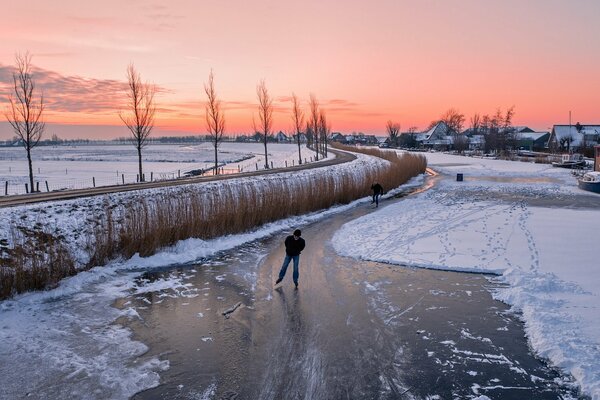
[[354, 329]]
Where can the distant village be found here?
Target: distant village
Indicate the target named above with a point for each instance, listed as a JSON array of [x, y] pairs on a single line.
[[561, 139], [440, 136]]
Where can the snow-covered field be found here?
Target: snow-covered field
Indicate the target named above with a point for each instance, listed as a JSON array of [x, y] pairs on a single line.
[[73, 167], [527, 222], [67, 342]]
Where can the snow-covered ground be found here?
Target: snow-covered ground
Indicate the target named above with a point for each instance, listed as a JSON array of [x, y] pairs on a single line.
[[74, 166], [527, 222], [67, 342]]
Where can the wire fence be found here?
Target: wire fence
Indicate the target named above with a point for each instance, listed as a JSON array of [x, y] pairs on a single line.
[[21, 185]]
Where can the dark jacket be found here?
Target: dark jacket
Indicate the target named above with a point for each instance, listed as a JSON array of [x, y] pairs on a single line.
[[377, 188], [293, 247]]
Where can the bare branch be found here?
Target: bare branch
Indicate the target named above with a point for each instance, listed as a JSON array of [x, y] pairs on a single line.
[[25, 111], [265, 114], [314, 122], [393, 131], [215, 119], [139, 118], [298, 119]]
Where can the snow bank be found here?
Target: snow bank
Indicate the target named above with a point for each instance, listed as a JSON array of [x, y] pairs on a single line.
[[546, 253], [75, 219]]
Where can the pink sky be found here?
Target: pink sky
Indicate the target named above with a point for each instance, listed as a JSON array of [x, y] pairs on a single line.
[[367, 62]]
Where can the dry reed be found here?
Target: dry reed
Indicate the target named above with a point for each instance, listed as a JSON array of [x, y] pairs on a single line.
[[145, 225]]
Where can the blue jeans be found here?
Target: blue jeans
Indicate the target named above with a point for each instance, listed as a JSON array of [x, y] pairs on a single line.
[[376, 199], [286, 262]]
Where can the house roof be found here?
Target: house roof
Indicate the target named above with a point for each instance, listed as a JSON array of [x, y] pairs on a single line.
[[438, 131], [531, 135], [564, 131]]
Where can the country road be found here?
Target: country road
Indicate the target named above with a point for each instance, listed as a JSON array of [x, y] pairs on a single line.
[[18, 200]]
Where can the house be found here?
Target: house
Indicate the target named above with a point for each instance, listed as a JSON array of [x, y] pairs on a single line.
[[521, 129], [532, 141], [574, 137], [337, 137], [282, 137], [303, 138], [476, 142], [436, 138]]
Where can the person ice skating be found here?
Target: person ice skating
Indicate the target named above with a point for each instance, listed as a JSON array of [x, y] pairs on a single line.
[[294, 245], [377, 191]]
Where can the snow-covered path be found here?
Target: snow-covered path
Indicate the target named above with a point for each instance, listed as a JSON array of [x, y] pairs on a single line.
[[527, 222]]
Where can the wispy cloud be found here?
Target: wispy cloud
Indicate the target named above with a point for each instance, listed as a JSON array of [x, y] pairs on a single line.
[[72, 93]]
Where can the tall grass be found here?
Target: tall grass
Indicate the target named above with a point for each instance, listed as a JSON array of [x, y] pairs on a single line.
[[203, 211], [36, 260]]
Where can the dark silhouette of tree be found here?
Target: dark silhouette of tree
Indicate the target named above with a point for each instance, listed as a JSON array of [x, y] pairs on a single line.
[[265, 115], [313, 122], [139, 118], [324, 131], [393, 132], [298, 119], [26, 109], [215, 118]]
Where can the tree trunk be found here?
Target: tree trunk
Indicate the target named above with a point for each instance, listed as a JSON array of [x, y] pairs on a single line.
[[316, 146], [299, 152], [139, 149], [216, 144], [266, 155], [30, 169]]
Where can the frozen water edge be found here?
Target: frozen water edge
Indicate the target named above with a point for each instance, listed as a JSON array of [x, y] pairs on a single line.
[[67, 342], [546, 255]]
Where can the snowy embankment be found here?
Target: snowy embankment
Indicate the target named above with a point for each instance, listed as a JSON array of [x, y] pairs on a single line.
[[529, 223], [67, 342]]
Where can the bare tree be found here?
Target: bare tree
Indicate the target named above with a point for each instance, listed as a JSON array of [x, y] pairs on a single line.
[[139, 118], [475, 124], [215, 118], [298, 118], [265, 115], [454, 120], [314, 122], [26, 109], [324, 130], [393, 131]]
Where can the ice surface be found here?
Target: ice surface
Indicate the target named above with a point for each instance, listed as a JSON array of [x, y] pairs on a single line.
[[547, 254], [67, 342]]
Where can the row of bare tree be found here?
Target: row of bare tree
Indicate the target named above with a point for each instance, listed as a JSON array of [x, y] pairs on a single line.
[[27, 106], [497, 130]]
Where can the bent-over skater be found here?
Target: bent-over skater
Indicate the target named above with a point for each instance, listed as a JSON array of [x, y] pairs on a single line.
[[377, 191], [294, 245]]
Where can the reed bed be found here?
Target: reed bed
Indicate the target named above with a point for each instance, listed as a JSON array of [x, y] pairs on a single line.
[[147, 224]]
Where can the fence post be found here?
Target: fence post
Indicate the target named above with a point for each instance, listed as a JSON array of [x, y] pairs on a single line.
[[123, 178], [257, 166], [286, 163], [47, 187], [271, 164], [304, 160], [179, 173], [137, 177], [66, 172], [6, 189], [26, 188], [94, 181], [151, 176], [37, 186]]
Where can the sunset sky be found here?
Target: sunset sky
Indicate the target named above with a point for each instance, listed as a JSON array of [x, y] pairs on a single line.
[[366, 61]]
